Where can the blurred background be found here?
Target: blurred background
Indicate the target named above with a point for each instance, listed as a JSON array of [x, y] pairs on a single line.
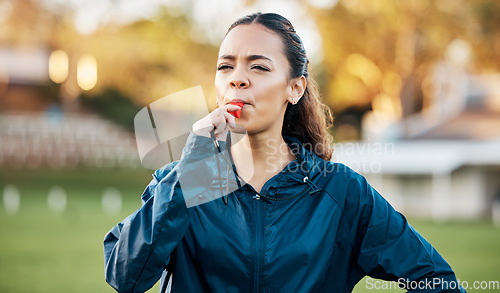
[[414, 87]]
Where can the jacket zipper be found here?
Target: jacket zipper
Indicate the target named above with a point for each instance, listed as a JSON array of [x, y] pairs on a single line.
[[259, 244]]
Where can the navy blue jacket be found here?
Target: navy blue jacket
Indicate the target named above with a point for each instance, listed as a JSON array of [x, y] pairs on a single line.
[[330, 230]]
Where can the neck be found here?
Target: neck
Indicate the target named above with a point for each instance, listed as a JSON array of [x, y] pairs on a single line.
[[260, 155]]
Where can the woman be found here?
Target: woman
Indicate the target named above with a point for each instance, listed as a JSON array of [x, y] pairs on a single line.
[[296, 221]]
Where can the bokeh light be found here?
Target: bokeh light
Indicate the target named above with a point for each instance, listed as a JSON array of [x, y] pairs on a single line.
[[58, 66], [87, 72]]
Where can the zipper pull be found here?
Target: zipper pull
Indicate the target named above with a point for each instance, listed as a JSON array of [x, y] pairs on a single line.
[[257, 196]]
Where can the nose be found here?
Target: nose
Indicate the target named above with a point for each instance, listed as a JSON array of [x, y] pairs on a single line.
[[238, 81], [238, 84]]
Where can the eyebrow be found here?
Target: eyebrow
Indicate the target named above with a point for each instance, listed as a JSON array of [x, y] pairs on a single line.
[[248, 58]]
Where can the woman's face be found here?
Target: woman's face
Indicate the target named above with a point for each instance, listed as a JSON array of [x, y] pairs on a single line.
[[253, 68]]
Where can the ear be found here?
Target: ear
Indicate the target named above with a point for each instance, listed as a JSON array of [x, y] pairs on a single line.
[[296, 88]]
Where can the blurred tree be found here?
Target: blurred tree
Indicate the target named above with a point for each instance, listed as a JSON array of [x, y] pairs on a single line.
[[372, 47], [114, 105], [485, 34], [377, 54], [149, 59], [24, 23]]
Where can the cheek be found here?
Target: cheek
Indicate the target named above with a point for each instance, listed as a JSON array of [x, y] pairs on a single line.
[[219, 89], [273, 92]]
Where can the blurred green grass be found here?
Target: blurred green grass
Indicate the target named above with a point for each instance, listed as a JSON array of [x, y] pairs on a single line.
[[45, 252]]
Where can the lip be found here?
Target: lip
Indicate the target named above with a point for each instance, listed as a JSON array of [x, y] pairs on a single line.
[[238, 101]]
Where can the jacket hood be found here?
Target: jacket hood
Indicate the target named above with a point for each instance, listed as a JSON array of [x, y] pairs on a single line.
[[297, 177], [306, 164]]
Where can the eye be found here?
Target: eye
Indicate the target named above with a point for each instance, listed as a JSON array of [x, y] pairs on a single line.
[[259, 67], [224, 66]]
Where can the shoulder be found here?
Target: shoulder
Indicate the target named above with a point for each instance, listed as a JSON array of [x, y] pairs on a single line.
[[158, 175], [341, 174], [163, 171], [361, 205], [346, 186]]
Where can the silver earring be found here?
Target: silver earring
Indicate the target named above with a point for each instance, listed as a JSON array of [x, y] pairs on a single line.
[[217, 101]]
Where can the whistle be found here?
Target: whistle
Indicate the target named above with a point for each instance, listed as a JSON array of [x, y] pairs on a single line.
[[237, 113]]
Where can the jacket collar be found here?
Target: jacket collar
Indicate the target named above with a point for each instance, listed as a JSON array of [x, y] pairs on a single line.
[[305, 164]]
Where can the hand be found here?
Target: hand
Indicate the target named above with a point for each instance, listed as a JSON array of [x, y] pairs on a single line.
[[219, 119]]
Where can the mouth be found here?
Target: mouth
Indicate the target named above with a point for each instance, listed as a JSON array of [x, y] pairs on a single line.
[[238, 101]]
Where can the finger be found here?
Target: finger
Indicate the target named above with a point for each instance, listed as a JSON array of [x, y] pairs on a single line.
[[215, 116], [223, 135], [221, 119], [230, 119], [230, 108], [220, 124], [203, 126]]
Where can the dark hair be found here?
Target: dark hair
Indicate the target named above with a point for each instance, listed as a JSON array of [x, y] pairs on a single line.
[[309, 119]]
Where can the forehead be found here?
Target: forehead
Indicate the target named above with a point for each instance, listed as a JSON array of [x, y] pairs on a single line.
[[252, 39]]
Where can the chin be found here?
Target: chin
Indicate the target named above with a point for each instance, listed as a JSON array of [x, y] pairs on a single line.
[[240, 129], [253, 130]]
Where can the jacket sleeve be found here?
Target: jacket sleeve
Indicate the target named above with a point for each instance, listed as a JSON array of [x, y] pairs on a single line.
[[138, 249], [390, 249]]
